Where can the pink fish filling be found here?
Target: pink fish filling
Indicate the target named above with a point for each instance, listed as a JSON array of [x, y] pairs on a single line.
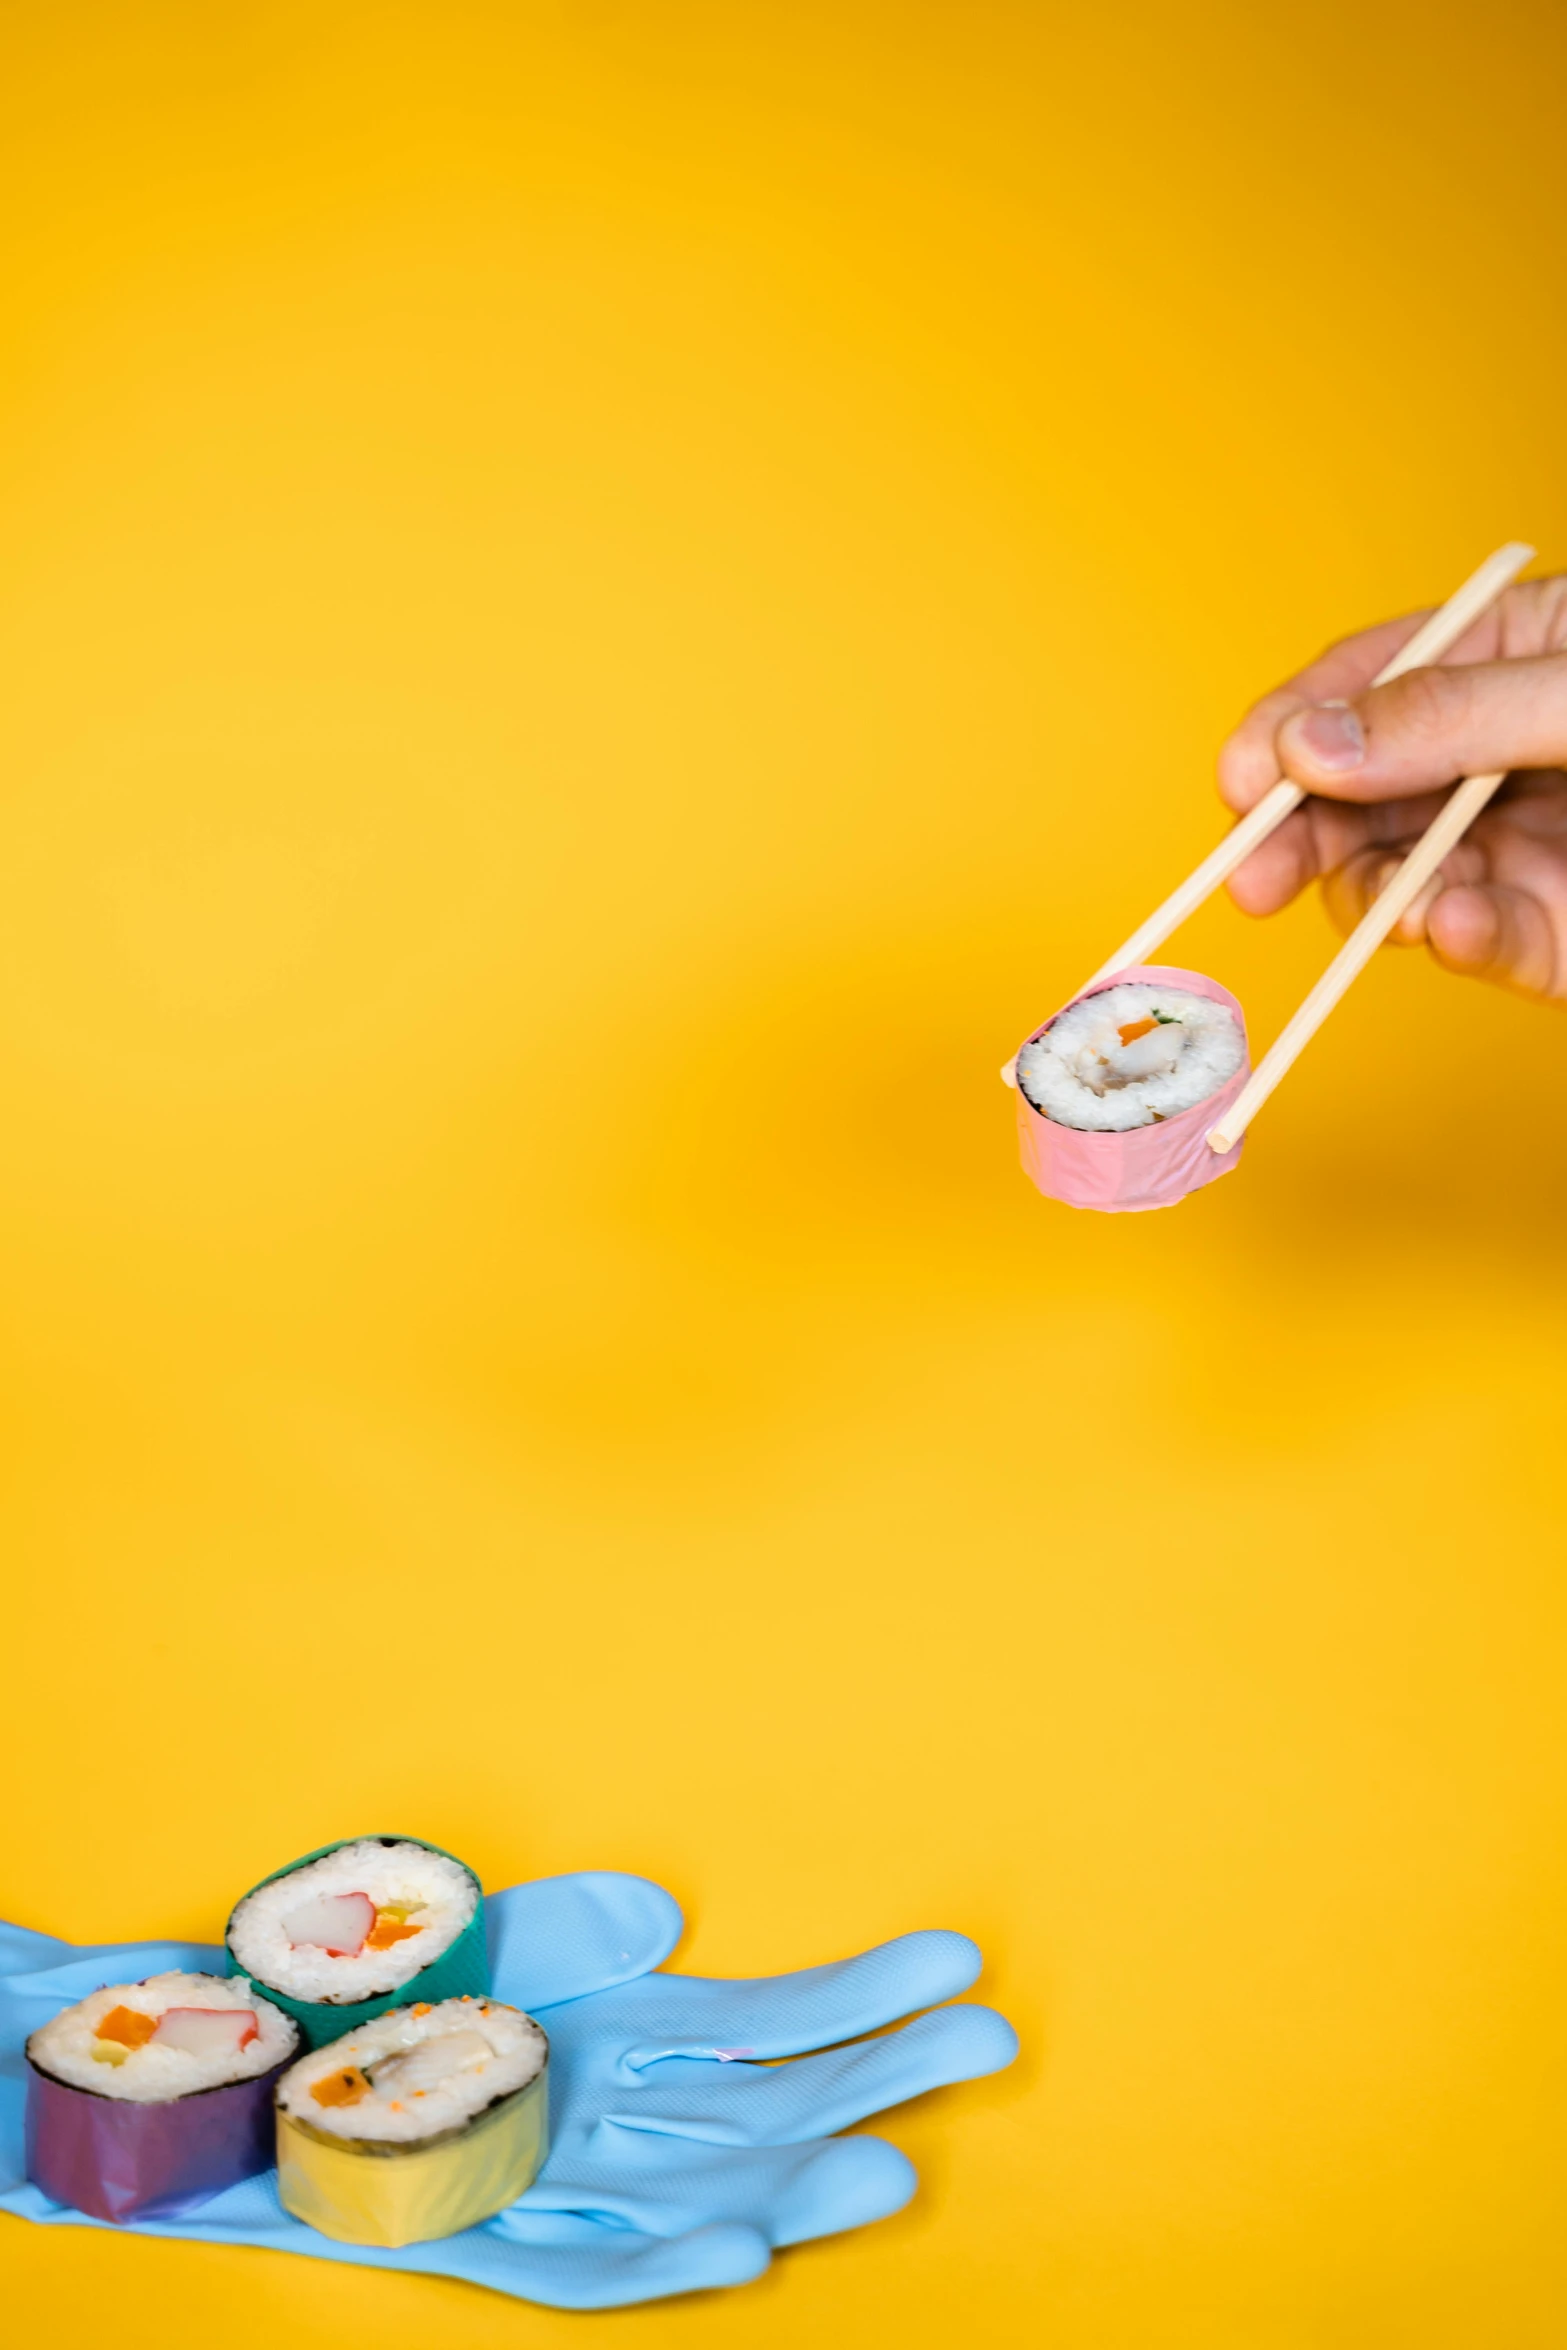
[[338, 1923], [207, 2031]]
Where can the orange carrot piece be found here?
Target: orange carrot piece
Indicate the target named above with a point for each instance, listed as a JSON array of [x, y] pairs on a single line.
[[1136, 1028], [342, 2088], [128, 2026], [389, 1928]]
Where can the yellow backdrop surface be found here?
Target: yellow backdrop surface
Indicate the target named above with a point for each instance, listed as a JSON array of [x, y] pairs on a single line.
[[601, 604]]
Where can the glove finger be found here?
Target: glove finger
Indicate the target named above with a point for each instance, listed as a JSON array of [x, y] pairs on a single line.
[[562, 1937], [848, 2183], [783, 2015], [663, 2186], [22, 1949], [775, 2105], [63, 1972], [610, 2271]]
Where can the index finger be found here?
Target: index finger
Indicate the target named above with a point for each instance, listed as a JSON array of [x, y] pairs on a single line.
[[1248, 764]]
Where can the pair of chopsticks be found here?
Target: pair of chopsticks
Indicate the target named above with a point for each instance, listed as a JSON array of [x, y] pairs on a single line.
[[1435, 637]]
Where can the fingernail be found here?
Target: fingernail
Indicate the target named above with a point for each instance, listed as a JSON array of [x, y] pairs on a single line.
[[1330, 736]]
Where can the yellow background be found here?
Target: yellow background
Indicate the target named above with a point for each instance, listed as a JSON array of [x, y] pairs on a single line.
[[601, 606]]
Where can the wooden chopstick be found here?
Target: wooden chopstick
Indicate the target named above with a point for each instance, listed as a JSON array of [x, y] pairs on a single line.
[[1441, 835], [1431, 640]]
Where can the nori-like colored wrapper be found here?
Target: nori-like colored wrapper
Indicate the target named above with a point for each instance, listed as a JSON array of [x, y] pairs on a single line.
[[463, 1966], [118, 2160]]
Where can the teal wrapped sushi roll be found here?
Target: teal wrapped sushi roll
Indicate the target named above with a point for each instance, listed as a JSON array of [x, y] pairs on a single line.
[[352, 1929]]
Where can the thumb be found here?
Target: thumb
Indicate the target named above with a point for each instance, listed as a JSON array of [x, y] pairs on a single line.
[[1430, 728]]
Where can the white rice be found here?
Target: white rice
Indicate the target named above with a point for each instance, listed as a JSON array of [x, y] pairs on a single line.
[[428, 2069], [1079, 1073], [69, 2047], [439, 1895]]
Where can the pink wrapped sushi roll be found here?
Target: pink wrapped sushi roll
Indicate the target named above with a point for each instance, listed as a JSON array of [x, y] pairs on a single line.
[[1117, 1093]]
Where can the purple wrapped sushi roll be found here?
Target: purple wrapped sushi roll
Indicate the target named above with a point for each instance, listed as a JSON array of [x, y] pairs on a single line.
[[146, 2098]]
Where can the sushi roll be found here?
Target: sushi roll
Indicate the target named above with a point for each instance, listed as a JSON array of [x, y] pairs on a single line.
[[1117, 1093], [426, 2121], [146, 2098], [359, 1927]]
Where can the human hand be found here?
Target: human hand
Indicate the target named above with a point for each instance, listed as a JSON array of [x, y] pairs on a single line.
[[681, 2154], [1377, 761]]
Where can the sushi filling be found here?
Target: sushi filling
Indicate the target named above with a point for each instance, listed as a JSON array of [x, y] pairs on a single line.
[[415, 2072], [1130, 1056], [146, 2043], [359, 1922]]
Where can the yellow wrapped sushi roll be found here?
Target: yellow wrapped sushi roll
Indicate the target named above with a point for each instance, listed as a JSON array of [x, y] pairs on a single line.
[[419, 2124]]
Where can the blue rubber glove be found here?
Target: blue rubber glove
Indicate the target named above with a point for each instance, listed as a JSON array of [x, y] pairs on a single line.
[[676, 2160]]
